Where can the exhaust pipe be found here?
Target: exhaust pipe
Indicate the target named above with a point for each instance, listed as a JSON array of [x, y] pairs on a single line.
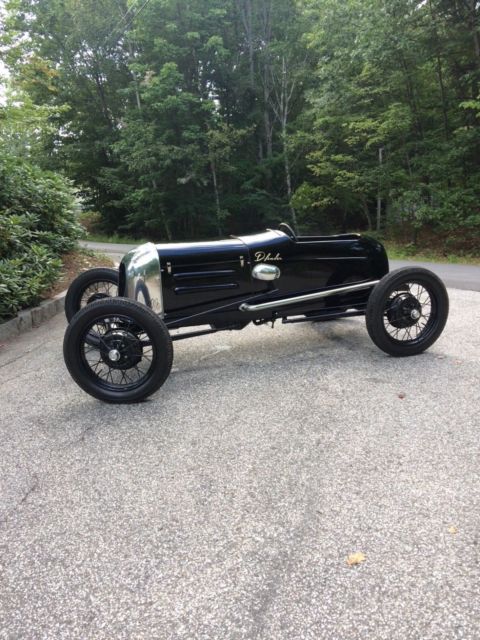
[[273, 304]]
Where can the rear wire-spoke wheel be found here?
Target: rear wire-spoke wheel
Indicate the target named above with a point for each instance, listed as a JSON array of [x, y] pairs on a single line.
[[98, 291], [90, 286], [407, 311], [118, 350]]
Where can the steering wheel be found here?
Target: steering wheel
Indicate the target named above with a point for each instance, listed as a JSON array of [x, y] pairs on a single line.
[[286, 228]]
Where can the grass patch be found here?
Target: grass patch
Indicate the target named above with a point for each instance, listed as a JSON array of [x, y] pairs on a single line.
[[397, 251]]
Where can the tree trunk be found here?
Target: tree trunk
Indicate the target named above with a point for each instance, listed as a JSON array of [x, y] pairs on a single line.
[[281, 107], [267, 36], [288, 178], [473, 26], [217, 197], [166, 224], [379, 213], [246, 14], [103, 98], [379, 194], [266, 114], [439, 72], [135, 79], [411, 97], [414, 235], [344, 218], [153, 181], [366, 211]]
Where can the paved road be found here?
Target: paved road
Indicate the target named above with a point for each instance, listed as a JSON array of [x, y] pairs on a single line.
[[458, 276], [117, 251], [225, 506]]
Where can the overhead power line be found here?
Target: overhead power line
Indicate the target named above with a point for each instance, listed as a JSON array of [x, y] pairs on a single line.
[[127, 25], [122, 19]]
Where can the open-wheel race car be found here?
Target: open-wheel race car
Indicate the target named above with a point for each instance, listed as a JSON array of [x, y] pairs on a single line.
[[118, 344]]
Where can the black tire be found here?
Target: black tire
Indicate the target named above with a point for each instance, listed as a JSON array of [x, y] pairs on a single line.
[[127, 321], [77, 294], [392, 303]]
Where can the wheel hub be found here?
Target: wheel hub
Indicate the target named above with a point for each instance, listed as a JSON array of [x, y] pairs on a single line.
[[114, 355], [404, 311], [97, 296], [120, 349]]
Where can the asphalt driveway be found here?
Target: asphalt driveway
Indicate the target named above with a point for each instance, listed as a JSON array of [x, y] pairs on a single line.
[[225, 507]]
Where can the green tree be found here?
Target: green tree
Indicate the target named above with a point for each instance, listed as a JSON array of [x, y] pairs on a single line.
[[184, 119]]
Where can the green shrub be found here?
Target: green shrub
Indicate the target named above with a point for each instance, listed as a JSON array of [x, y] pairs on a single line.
[[37, 225], [91, 221], [24, 278]]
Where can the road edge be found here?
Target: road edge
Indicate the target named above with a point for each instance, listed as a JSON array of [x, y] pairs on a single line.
[[28, 319]]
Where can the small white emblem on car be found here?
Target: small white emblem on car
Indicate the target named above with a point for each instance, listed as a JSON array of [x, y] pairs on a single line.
[[261, 256]]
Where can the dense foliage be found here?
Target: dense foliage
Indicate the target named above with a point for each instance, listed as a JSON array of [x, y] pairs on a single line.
[[182, 119], [37, 225]]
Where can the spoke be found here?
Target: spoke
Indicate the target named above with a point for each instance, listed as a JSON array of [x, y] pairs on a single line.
[[399, 305], [90, 349], [101, 374], [131, 380], [110, 333]]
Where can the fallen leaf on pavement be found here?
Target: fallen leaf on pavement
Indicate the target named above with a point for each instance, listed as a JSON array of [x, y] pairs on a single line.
[[452, 529], [356, 558], [402, 395]]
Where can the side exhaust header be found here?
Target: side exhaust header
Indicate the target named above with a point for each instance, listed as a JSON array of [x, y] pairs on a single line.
[[273, 304]]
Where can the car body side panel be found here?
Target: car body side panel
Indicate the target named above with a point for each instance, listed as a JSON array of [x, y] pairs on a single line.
[[217, 275], [199, 273], [205, 282], [310, 265]]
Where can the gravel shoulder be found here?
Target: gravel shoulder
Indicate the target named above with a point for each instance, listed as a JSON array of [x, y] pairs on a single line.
[[225, 506]]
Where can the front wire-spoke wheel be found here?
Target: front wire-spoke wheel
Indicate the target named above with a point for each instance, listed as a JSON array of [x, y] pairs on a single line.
[[118, 350], [407, 311], [122, 355]]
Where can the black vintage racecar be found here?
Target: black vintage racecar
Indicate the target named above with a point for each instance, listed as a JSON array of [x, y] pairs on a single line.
[[118, 344]]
